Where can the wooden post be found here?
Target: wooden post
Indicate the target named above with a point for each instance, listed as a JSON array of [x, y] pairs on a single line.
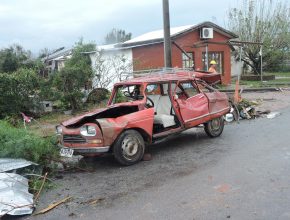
[[167, 39]]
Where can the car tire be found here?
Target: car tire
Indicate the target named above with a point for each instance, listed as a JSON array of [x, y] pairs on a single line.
[[129, 148], [215, 127]]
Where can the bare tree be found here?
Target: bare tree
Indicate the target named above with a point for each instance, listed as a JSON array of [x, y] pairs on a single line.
[[110, 68], [265, 21], [117, 36]]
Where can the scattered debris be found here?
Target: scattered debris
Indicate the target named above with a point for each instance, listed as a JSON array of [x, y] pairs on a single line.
[[15, 198], [273, 115], [72, 214], [147, 157], [8, 164], [229, 117], [94, 201], [246, 109], [223, 188], [41, 187], [263, 112], [53, 205]]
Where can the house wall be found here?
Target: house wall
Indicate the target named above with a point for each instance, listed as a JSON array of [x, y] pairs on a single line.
[[152, 56]]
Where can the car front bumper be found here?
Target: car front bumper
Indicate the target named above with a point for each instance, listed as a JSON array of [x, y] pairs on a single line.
[[87, 150]]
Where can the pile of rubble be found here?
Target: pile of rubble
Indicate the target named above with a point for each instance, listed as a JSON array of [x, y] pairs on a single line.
[[245, 109]]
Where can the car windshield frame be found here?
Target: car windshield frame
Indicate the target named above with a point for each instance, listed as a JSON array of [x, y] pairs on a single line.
[[124, 93]]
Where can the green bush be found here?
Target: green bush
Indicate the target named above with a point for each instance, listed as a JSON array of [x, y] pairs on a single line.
[[18, 91], [19, 143]]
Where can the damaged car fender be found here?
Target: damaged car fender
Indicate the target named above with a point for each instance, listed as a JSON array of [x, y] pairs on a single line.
[[141, 121]]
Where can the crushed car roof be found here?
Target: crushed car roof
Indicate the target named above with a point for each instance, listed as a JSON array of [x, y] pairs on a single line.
[[164, 76]]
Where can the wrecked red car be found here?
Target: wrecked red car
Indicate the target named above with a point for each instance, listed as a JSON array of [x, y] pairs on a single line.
[[143, 110]]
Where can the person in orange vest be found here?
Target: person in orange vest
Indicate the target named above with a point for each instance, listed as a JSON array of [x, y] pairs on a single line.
[[212, 67]]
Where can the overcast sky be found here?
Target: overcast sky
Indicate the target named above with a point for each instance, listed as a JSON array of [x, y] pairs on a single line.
[[38, 24]]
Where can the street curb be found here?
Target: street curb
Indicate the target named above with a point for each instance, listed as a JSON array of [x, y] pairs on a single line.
[[265, 89]]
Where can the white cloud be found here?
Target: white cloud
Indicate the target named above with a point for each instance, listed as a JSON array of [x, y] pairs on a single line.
[[36, 24]]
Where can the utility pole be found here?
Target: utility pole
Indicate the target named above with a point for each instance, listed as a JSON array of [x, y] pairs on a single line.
[[167, 39]]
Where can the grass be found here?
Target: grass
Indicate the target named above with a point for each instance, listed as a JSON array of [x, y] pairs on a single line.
[[251, 84], [259, 84], [281, 74], [45, 125], [20, 143]]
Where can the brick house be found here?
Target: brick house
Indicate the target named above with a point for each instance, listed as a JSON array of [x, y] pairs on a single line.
[[201, 43]]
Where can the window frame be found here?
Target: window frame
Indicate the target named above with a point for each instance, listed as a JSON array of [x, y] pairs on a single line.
[[186, 61], [220, 61]]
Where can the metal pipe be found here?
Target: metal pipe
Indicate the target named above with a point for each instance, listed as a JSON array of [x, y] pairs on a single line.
[[261, 54], [166, 30], [239, 74], [183, 51], [206, 56]]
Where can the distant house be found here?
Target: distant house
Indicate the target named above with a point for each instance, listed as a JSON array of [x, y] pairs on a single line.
[[192, 45], [55, 61]]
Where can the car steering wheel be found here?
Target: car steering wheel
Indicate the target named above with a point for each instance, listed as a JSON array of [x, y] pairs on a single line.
[[151, 104], [127, 94]]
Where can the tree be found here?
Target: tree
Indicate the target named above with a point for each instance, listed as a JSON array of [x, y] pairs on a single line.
[[14, 57], [117, 36], [110, 69], [71, 80], [265, 21], [43, 53]]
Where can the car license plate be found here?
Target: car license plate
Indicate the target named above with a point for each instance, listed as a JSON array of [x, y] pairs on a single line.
[[66, 152]]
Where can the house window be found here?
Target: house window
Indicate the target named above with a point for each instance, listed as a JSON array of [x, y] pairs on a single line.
[[187, 61], [218, 57]]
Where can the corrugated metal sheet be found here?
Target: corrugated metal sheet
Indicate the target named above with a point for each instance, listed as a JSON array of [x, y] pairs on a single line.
[[8, 164], [14, 196]]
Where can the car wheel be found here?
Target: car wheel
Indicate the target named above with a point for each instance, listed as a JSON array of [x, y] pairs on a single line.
[[215, 127], [129, 148]]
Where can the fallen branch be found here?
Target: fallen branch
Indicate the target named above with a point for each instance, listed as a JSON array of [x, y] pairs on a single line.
[[40, 189], [41, 176], [53, 205]]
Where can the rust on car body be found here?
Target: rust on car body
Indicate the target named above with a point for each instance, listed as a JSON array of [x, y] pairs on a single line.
[[145, 109]]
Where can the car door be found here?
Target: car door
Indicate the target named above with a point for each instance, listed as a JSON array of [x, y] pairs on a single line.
[[218, 102], [192, 104]]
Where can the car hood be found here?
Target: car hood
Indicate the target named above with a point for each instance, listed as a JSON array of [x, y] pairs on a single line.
[[112, 111], [78, 118]]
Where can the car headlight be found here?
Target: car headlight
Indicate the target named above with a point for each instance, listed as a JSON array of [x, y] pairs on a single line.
[[88, 130], [58, 129]]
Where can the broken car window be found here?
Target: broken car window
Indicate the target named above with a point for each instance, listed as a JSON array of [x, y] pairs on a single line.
[[204, 87], [128, 93], [153, 89], [165, 88], [189, 89]]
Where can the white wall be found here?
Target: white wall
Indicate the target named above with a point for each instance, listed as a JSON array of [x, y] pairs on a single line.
[[236, 67]]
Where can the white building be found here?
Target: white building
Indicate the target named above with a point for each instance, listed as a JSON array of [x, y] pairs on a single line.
[[110, 64]]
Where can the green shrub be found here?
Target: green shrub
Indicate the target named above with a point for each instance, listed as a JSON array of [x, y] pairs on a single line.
[[19, 143], [17, 92]]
